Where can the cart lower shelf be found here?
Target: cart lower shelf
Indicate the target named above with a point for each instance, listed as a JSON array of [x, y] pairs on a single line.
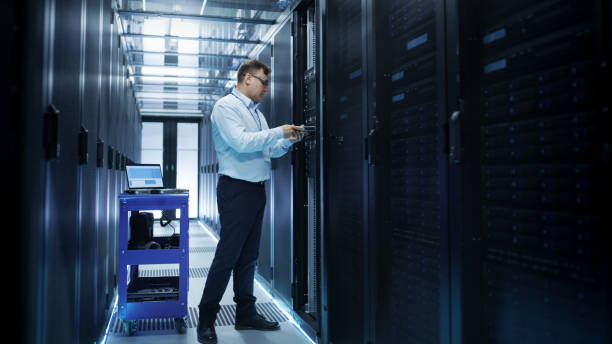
[[144, 289]]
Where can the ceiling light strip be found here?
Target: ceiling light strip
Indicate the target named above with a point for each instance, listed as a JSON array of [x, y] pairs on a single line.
[[174, 95], [184, 100], [181, 77], [173, 114], [183, 67], [201, 39], [176, 85], [191, 93], [174, 53], [216, 92], [183, 111], [173, 92], [125, 13], [182, 88]]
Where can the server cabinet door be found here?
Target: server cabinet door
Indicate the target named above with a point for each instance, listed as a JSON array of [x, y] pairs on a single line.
[[282, 114], [265, 246], [104, 296], [345, 181], [413, 272], [89, 324], [534, 181], [306, 166], [61, 184], [28, 171], [112, 177]]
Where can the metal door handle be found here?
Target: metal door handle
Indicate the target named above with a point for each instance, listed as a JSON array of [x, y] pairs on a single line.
[[100, 153], [83, 152], [370, 147], [51, 133], [455, 137]]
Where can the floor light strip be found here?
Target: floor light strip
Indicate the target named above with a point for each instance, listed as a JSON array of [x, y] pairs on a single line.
[[110, 320], [283, 309], [280, 305]]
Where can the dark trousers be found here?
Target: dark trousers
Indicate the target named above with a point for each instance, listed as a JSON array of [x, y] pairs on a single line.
[[241, 205]]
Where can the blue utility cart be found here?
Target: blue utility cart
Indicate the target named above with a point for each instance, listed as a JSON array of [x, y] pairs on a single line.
[[152, 297]]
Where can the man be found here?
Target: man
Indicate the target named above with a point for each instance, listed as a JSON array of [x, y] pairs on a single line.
[[244, 146]]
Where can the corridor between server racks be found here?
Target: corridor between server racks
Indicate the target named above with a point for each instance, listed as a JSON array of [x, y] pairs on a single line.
[[451, 185]]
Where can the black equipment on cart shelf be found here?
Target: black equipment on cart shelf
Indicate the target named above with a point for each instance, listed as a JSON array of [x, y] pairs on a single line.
[[141, 229], [141, 234]]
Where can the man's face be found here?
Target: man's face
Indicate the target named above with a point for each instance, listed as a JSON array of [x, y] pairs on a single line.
[[257, 82]]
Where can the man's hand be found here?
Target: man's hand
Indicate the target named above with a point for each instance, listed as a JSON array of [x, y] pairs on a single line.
[[296, 137], [291, 131], [298, 134]]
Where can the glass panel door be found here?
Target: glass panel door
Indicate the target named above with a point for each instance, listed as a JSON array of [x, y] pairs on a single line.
[[174, 144], [152, 143], [153, 147], [187, 163]]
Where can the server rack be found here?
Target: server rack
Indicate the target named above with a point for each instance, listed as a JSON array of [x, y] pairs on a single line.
[[345, 187], [281, 180], [210, 169], [102, 293], [535, 171], [475, 100], [306, 286], [60, 96], [61, 206], [25, 80], [444, 163], [264, 263], [412, 225]]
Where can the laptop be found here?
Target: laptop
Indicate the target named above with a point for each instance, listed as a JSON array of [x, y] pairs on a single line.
[[147, 179]]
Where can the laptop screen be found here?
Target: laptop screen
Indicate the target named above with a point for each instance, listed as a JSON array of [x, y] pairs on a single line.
[[144, 176]]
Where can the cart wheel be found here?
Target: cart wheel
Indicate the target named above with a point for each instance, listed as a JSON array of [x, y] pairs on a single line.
[[129, 327], [180, 324]]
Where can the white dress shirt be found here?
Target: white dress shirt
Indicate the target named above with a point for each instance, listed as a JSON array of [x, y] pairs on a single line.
[[243, 141]]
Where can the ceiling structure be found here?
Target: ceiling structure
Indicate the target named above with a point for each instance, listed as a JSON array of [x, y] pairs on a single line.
[[183, 55]]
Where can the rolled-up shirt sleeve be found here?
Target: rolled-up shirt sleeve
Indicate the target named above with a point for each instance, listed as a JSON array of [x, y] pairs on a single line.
[[280, 148], [235, 134]]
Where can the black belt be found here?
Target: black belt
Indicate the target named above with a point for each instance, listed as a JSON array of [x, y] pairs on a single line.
[[242, 181]]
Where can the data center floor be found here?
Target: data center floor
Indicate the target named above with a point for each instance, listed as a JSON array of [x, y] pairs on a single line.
[[201, 252]]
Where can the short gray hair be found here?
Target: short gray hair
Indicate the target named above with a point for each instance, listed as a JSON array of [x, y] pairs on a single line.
[[250, 66]]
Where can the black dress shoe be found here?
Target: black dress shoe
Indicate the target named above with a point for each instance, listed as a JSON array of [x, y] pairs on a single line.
[[207, 335], [256, 322]]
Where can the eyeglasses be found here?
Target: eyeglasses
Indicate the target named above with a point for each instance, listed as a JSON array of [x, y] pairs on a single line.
[[263, 81]]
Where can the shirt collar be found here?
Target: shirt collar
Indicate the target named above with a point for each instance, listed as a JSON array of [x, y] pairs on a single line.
[[246, 100]]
